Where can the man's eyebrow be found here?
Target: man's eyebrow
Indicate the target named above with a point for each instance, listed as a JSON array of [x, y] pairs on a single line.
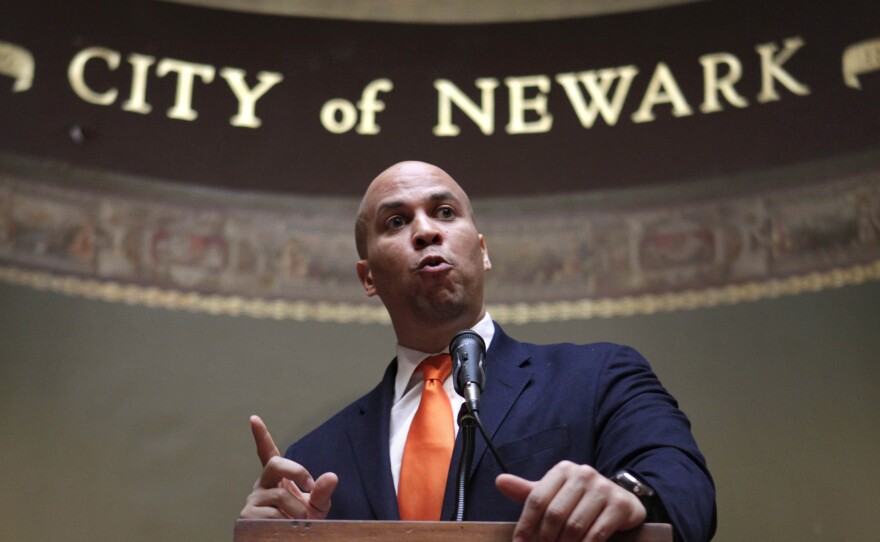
[[446, 195], [390, 205]]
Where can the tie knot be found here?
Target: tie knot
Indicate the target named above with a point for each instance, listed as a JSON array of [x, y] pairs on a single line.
[[437, 367]]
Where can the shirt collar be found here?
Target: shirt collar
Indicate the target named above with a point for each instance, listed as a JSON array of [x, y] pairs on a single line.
[[408, 359]]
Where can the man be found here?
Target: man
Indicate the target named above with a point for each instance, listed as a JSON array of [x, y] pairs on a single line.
[[566, 419]]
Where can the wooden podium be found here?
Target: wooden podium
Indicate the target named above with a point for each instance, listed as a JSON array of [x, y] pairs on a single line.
[[266, 530]]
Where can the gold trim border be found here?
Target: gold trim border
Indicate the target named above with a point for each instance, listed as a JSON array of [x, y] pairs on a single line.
[[519, 313], [428, 11]]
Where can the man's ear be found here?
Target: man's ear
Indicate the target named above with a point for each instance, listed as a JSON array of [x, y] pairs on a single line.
[[366, 277], [487, 265]]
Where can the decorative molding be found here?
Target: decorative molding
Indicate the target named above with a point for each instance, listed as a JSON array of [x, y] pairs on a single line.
[[140, 242], [520, 313], [687, 300], [153, 297]]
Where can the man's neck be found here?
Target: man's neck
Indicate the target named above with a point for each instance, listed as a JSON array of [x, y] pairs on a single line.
[[430, 338]]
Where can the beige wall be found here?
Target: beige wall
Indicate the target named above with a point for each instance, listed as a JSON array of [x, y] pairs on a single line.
[[123, 422]]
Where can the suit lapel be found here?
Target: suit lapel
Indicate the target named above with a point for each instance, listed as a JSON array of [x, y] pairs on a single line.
[[507, 373], [370, 449]]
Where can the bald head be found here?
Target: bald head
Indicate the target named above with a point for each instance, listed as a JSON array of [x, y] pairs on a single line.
[[400, 174]]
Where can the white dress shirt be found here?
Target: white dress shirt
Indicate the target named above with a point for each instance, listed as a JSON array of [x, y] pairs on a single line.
[[408, 386]]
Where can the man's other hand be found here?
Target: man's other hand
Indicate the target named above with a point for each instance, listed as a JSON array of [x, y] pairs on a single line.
[[571, 502], [285, 489]]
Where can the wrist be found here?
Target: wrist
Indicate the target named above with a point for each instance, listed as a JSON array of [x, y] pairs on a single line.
[[654, 510]]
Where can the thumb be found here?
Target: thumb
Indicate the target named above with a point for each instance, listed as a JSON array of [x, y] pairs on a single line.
[[513, 487], [266, 448], [319, 498]]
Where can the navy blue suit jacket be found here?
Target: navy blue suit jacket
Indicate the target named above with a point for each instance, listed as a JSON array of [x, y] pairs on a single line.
[[597, 404]]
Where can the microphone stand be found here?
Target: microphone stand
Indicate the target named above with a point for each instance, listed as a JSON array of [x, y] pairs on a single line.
[[466, 423], [468, 351], [467, 419]]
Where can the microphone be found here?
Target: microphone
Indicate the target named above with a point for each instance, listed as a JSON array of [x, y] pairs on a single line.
[[468, 352]]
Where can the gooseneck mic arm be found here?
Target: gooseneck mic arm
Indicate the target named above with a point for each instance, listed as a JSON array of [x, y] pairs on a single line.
[[466, 422]]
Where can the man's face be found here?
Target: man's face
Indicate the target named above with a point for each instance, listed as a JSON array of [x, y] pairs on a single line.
[[424, 257]]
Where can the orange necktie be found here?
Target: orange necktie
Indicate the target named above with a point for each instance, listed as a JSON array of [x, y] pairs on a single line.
[[428, 449]]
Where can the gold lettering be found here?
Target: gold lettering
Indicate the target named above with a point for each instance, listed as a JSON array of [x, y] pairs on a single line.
[[519, 105], [137, 99], [369, 105], [598, 90], [483, 117], [77, 80], [344, 108], [662, 89], [771, 70], [712, 84], [182, 108], [247, 97]]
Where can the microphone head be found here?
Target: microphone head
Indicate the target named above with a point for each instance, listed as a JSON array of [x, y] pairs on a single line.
[[468, 352]]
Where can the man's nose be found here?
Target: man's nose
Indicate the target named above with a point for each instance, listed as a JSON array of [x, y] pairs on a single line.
[[425, 232]]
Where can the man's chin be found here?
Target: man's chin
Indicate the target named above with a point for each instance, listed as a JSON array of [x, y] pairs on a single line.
[[442, 307]]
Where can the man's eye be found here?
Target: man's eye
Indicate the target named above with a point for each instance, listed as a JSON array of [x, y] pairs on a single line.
[[446, 212], [394, 222]]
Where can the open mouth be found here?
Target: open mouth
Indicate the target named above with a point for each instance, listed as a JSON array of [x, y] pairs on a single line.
[[431, 261]]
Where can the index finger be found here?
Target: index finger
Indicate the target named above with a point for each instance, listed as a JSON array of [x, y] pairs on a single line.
[[290, 475], [536, 503], [266, 448]]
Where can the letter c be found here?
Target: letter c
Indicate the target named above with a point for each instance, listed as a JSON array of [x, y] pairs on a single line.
[[77, 81]]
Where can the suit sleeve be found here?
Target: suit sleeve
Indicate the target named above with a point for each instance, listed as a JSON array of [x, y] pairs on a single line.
[[640, 428]]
